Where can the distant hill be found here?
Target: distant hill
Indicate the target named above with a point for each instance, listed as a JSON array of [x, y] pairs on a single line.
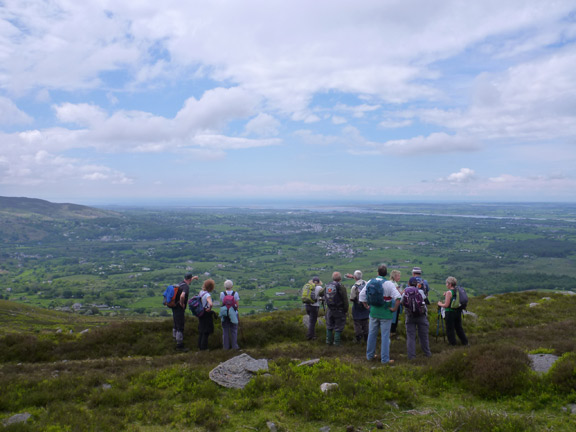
[[20, 206], [25, 220]]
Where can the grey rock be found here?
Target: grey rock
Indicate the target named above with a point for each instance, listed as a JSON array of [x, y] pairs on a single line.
[[106, 386], [326, 387], [533, 304], [271, 426], [18, 418], [542, 362], [325, 429], [309, 362], [490, 297], [306, 321], [85, 331], [238, 371]]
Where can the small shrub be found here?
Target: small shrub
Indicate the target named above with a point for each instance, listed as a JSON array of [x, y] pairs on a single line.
[[488, 371], [497, 371], [479, 420], [562, 375]]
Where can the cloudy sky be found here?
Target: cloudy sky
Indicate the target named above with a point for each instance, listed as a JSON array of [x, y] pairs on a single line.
[[105, 101]]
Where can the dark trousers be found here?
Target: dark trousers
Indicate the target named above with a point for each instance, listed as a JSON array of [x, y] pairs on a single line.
[[205, 329], [361, 327], [179, 320], [454, 325], [312, 312]]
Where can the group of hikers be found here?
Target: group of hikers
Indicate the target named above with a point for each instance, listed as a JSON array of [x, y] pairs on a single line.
[[376, 308], [201, 306]]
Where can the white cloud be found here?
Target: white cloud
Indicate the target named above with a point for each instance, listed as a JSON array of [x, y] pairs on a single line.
[[534, 100], [434, 143], [465, 175], [262, 125], [80, 114], [10, 114]]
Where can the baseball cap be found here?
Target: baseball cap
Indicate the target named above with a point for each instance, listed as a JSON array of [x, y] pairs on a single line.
[[315, 279], [417, 270]]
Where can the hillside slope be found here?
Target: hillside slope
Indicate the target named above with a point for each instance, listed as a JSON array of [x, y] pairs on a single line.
[[125, 376], [28, 207]]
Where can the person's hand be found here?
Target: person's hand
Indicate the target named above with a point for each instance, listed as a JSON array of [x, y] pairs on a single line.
[[349, 275]]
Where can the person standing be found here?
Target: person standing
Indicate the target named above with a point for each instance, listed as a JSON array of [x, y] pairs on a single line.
[[452, 316], [336, 300], [416, 319], [206, 321], [312, 309], [423, 283], [229, 299], [395, 276], [178, 311], [360, 314], [383, 299]]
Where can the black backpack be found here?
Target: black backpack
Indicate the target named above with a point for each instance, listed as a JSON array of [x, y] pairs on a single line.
[[332, 296]]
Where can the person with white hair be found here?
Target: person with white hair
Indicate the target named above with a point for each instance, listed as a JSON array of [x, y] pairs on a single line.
[[229, 299], [360, 314]]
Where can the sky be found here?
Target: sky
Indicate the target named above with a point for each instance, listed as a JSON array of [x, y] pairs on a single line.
[[140, 101]]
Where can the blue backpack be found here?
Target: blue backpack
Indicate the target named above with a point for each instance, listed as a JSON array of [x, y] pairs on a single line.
[[171, 296], [196, 306], [375, 292]]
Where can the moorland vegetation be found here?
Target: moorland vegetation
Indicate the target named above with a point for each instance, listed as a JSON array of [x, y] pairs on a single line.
[[124, 375]]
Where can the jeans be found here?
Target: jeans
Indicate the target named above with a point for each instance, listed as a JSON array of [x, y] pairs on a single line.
[[384, 326]]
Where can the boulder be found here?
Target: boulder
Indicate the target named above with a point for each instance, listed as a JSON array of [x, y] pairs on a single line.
[[326, 387], [18, 418], [238, 371]]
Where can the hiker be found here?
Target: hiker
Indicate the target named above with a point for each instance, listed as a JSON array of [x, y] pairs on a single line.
[[206, 321], [395, 276], [178, 311], [336, 299], [417, 273], [383, 299], [229, 316], [416, 319], [360, 314], [453, 317], [313, 308]]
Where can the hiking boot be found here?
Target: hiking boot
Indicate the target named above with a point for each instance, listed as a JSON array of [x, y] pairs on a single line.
[[337, 338], [390, 362], [181, 348], [329, 337]]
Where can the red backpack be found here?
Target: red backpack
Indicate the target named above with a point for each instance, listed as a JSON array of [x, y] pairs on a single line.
[[230, 301]]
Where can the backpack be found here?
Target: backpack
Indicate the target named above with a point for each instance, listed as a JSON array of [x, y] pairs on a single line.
[[332, 296], [358, 290], [171, 296], [375, 292], [196, 306], [413, 301], [309, 293], [229, 301], [423, 285], [460, 301]]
